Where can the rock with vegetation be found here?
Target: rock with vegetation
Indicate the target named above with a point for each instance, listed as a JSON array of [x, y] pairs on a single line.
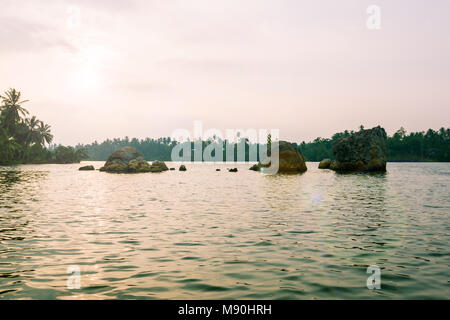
[[182, 167], [430, 145], [86, 168], [129, 160], [159, 165], [115, 168], [325, 164], [290, 159], [363, 151], [137, 165]]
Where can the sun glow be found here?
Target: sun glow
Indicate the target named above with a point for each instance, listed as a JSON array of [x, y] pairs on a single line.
[[88, 68]]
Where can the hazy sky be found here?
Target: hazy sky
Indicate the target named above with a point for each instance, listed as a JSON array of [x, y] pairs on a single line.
[[103, 69]]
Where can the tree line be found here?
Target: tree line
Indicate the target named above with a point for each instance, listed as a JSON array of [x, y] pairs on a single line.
[[161, 149], [401, 146], [25, 139]]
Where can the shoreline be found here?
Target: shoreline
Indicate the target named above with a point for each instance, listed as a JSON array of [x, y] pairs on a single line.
[[192, 162]]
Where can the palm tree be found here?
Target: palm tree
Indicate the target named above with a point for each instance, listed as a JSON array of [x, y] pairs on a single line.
[[33, 134], [44, 132], [8, 147], [12, 109]]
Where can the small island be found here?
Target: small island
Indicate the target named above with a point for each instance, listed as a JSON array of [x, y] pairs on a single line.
[[129, 160]]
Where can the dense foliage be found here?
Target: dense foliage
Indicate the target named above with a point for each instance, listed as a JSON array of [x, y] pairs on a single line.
[[157, 149], [415, 146], [23, 139]]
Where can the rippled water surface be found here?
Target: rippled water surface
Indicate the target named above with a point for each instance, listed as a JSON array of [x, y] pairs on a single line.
[[203, 234]]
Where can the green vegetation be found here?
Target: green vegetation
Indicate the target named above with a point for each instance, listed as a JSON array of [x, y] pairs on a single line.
[[156, 149], [415, 146], [151, 149], [24, 140]]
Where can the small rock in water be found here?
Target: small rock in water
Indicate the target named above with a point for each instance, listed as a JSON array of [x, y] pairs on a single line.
[[182, 168], [158, 166], [87, 168], [233, 170], [325, 164]]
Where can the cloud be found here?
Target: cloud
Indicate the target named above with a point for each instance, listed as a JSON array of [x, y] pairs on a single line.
[[18, 34], [308, 68]]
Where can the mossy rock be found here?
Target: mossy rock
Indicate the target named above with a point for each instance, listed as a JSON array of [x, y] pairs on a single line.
[[115, 168], [87, 168], [129, 160], [159, 166], [138, 166], [325, 164], [363, 151], [290, 159]]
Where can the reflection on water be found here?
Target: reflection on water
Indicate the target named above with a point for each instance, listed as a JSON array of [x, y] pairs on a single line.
[[207, 234]]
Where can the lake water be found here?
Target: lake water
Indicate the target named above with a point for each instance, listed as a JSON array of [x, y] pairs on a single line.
[[203, 234]]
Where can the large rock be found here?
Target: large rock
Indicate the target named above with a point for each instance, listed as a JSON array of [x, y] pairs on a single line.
[[129, 160], [325, 164], [363, 151], [290, 160]]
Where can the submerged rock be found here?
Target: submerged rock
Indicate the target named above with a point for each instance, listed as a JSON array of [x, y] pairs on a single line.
[[182, 168], [129, 160], [364, 151], [86, 168], [325, 164], [290, 160]]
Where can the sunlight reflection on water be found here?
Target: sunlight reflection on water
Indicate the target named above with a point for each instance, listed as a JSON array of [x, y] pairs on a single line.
[[213, 234]]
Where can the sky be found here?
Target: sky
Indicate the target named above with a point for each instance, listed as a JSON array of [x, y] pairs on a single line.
[[103, 69]]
